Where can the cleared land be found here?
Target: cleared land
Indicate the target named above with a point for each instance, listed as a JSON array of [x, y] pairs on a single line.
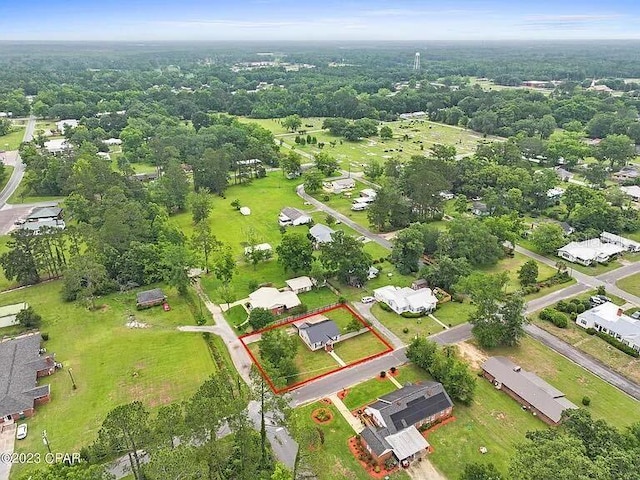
[[112, 364]]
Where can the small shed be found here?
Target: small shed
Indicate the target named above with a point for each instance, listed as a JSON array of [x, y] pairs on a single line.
[[246, 211], [419, 283], [150, 298]]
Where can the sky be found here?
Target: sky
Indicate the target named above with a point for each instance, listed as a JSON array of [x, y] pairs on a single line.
[[343, 20]]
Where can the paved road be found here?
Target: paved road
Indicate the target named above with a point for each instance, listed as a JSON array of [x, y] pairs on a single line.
[[344, 219], [18, 170], [584, 360], [456, 334]]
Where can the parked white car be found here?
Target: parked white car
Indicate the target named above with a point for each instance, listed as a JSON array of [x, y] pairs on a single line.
[[368, 299], [21, 432]]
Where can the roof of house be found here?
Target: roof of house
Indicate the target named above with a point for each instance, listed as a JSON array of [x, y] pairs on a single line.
[[343, 182], [11, 310], [405, 296], [149, 296], [292, 213], [591, 249], [44, 212], [480, 206], [320, 332], [368, 192], [612, 237], [270, 297], [56, 144], [36, 226], [610, 316], [544, 397], [321, 233], [632, 191], [299, 283], [407, 442], [21, 361]]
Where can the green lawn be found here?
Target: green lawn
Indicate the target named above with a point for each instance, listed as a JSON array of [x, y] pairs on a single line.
[[111, 363], [8, 169], [343, 203], [21, 195], [236, 315], [368, 391], [12, 140], [332, 460], [630, 284], [454, 313], [318, 297], [359, 347], [411, 373], [512, 266], [423, 326]]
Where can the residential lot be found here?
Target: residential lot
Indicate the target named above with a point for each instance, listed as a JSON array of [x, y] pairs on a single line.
[[313, 364], [111, 364]]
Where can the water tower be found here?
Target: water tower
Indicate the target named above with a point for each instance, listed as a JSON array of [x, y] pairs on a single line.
[[416, 62]]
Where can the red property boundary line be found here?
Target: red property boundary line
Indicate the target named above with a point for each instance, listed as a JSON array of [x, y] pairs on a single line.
[[297, 319]]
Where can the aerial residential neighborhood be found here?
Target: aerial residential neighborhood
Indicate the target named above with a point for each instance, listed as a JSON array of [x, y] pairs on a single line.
[[282, 245]]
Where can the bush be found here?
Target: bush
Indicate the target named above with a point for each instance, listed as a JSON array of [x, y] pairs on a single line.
[[393, 369], [561, 306], [586, 401], [591, 331], [601, 290], [575, 301], [325, 198], [376, 469], [28, 318], [457, 297], [383, 374], [411, 315], [623, 347], [302, 308], [342, 300], [385, 307], [45, 336], [580, 308], [559, 319], [405, 330], [200, 320], [571, 308]]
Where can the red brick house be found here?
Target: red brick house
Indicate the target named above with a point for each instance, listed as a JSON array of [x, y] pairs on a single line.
[[397, 417], [23, 365]]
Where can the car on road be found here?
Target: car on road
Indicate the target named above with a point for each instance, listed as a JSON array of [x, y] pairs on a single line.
[[21, 432], [368, 299]]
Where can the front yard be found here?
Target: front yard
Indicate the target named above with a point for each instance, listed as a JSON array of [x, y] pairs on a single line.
[[630, 284]]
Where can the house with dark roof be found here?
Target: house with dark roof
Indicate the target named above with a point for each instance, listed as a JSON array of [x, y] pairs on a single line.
[[150, 298], [43, 214], [533, 393], [22, 365], [319, 333], [396, 417]]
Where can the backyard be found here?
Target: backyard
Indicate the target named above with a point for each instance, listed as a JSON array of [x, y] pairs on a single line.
[[112, 364]]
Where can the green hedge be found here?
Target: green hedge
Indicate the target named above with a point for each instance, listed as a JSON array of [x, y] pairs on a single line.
[[411, 315], [385, 307], [623, 347], [559, 319]]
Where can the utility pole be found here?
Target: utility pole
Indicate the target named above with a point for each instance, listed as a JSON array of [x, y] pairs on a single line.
[[73, 381], [45, 440]]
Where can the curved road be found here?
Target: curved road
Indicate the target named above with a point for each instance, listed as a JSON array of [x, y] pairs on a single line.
[[18, 169]]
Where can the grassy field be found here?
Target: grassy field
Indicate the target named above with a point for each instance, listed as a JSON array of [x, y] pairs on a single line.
[[423, 326], [332, 460], [513, 264], [368, 391], [236, 315], [21, 195], [12, 140], [630, 284], [343, 203], [318, 297], [422, 134], [8, 171], [494, 420], [454, 313], [111, 363]]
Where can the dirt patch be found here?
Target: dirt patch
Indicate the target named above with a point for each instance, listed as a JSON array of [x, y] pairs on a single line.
[[322, 416], [471, 353], [343, 393]]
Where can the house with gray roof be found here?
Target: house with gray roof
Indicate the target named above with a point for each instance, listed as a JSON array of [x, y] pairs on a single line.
[[319, 333], [396, 417], [292, 217], [150, 298], [22, 365], [545, 401], [321, 234]]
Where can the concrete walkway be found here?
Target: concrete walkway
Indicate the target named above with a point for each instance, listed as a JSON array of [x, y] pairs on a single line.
[[353, 422], [364, 309], [226, 306], [335, 356], [7, 441], [438, 322], [394, 381]]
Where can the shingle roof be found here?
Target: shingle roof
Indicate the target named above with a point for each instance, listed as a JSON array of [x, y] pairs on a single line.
[[44, 212], [147, 296], [20, 360], [528, 386], [292, 213], [375, 440], [320, 332], [321, 233]]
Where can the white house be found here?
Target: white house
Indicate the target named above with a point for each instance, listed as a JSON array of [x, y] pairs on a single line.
[[112, 141], [555, 193], [633, 191], [68, 123], [628, 245], [359, 206], [610, 319], [262, 247], [293, 217], [589, 252], [321, 233], [57, 145], [340, 185], [405, 299], [299, 284], [273, 299], [319, 332]]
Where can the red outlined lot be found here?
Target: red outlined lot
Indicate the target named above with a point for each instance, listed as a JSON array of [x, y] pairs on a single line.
[[244, 340]]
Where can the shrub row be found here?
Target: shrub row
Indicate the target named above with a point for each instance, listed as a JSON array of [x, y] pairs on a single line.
[[573, 306], [559, 319], [618, 344], [410, 314], [385, 307]]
